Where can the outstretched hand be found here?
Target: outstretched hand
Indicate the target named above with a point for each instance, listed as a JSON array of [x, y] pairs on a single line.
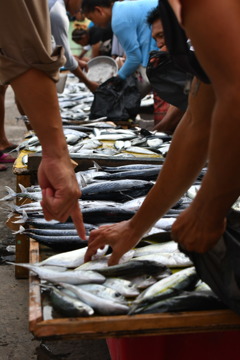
[[120, 237]]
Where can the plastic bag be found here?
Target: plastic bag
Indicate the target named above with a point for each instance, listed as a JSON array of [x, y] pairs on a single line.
[[167, 79], [117, 99], [219, 267]]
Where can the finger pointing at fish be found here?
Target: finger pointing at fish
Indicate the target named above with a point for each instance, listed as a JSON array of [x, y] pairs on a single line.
[[120, 237]]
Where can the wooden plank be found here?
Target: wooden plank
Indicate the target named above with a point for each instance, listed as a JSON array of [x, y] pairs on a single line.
[[35, 310], [85, 162], [139, 325], [21, 240], [122, 326]]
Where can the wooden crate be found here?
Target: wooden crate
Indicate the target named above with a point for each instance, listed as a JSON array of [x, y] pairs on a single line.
[[124, 325]]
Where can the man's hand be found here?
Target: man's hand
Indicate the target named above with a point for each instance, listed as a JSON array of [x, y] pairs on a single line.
[[119, 236], [60, 192], [195, 232]]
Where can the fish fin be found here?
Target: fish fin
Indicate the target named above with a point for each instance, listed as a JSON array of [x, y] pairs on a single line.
[[22, 188], [96, 166]]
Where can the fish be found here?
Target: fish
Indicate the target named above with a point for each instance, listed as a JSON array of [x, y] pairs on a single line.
[[106, 214], [123, 286], [165, 223], [98, 263], [119, 190], [140, 150], [172, 259], [47, 232], [103, 291], [170, 286], [126, 167], [192, 191], [133, 267], [167, 247], [71, 259], [100, 305], [67, 305], [186, 301], [148, 174], [59, 243], [114, 137], [142, 282], [154, 142], [133, 204], [120, 144], [71, 277], [37, 196]]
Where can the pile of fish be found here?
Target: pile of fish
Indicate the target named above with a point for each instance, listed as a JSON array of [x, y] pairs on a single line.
[[145, 281], [101, 139], [98, 137], [109, 195], [136, 285]]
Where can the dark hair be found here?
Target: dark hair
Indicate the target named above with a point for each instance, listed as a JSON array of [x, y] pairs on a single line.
[[77, 34], [89, 5], [153, 15]]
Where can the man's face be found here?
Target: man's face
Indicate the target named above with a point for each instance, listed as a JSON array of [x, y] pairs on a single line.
[[158, 34], [98, 16], [73, 6]]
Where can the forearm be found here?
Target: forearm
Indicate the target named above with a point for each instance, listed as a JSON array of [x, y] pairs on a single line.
[[170, 121], [221, 185], [37, 94], [185, 159], [90, 84]]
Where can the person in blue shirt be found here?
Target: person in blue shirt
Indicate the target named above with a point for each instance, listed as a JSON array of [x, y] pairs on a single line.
[[128, 20]]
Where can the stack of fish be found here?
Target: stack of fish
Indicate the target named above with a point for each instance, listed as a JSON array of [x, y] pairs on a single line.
[[95, 139], [74, 288], [136, 285], [109, 195]]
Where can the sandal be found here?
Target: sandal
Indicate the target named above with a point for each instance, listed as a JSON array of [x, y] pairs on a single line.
[[6, 158], [3, 167]]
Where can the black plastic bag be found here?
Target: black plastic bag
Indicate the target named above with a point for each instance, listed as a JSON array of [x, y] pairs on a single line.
[[220, 266], [167, 79], [117, 99]]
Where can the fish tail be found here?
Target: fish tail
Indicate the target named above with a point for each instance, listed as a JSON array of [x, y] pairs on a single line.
[[22, 219], [11, 194], [20, 231]]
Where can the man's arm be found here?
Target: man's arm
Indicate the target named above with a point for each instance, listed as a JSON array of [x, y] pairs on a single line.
[[198, 228], [37, 94], [170, 121], [186, 157]]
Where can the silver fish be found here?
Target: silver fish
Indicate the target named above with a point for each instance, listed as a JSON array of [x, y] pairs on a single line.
[[167, 247], [24, 194], [71, 277], [71, 259], [167, 286], [172, 260], [100, 305], [68, 305], [124, 287]]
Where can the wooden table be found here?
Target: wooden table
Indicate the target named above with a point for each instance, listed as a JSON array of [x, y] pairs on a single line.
[[124, 325]]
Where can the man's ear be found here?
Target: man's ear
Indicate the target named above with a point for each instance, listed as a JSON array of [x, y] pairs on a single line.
[[99, 10]]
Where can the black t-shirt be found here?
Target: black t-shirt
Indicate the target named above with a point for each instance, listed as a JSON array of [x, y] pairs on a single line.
[[97, 34], [176, 41]]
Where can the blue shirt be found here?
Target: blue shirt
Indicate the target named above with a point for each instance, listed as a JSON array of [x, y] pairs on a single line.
[[133, 32]]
